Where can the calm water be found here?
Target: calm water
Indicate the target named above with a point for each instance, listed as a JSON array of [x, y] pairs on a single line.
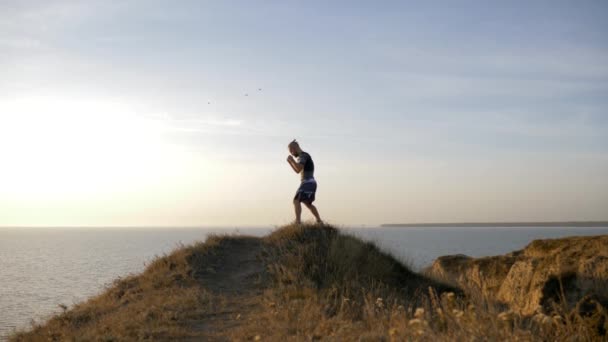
[[41, 268]]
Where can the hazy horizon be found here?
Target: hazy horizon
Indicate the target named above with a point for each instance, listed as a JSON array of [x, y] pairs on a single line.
[[137, 113]]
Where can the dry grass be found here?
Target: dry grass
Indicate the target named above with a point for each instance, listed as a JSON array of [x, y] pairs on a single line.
[[320, 285], [325, 259], [157, 304], [303, 316]]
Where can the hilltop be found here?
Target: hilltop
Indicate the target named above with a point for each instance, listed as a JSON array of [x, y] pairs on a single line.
[[303, 282]]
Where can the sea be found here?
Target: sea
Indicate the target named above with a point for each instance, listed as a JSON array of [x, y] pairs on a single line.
[[43, 268]]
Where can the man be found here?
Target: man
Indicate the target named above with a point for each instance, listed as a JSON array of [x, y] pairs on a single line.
[[308, 186]]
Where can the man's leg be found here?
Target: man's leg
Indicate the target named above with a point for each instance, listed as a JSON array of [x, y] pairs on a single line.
[[314, 211], [298, 209]]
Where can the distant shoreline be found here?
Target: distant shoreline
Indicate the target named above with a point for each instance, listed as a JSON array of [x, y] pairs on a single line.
[[503, 224]]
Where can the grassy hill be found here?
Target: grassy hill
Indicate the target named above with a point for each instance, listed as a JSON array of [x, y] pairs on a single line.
[[298, 283]]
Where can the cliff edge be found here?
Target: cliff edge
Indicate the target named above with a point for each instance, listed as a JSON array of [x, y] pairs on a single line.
[[546, 273]]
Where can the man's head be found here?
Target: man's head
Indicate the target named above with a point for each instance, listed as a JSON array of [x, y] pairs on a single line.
[[294, 148]]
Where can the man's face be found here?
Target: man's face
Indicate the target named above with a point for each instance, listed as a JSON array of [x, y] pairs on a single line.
[[292, 150]]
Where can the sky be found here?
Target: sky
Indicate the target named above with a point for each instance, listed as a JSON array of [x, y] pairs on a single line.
[[178, 113]]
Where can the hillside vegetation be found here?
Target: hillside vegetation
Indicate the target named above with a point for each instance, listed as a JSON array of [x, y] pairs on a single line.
[[299, 283]]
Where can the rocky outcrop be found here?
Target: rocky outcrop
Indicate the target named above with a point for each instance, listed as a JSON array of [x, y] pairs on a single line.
[[543, 274]]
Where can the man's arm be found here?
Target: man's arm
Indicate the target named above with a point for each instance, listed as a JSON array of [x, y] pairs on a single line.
[[297, 167]]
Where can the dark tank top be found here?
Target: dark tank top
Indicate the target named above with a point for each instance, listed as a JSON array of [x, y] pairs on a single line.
[[309, 166]]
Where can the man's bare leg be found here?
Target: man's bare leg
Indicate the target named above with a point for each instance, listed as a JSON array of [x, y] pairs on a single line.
[[298, 209], [314, 211]]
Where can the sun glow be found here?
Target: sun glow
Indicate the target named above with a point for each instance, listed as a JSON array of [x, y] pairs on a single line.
[[57, 148]]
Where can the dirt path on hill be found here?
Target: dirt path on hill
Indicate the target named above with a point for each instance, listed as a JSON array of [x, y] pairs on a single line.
[[236, 276]]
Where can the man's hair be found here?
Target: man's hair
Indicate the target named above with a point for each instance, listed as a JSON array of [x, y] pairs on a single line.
[[293, 143]]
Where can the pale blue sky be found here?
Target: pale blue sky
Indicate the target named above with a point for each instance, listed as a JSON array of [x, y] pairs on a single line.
[[414, 111]]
